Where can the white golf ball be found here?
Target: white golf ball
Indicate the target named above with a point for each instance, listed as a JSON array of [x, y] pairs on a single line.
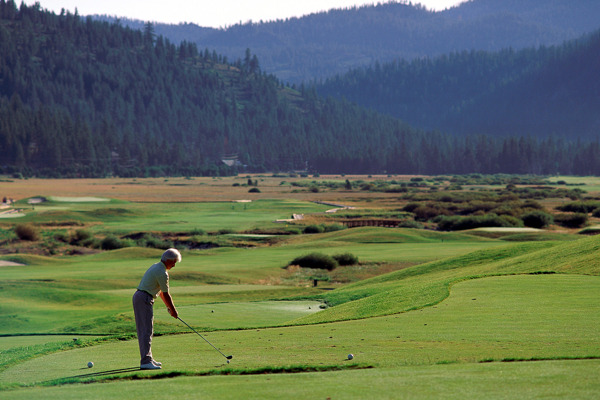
[[90, 364], [350, 356]]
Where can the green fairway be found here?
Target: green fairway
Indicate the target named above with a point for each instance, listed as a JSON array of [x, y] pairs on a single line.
[[426, 314], [125, 217], [527, 317]]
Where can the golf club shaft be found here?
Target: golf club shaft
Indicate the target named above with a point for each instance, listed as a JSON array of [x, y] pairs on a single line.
[[206, 340]]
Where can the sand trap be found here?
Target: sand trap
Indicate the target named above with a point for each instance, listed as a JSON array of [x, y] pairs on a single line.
[[11, 214], [4, 263], [518, 230], [77, 199]]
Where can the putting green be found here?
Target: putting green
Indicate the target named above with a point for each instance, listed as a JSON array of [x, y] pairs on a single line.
[[510, 317]]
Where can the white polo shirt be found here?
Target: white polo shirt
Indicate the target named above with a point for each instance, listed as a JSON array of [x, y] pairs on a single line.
[[156, 279]]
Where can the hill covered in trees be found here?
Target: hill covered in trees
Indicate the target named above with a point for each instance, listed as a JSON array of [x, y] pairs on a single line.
[[80, 97], [548, 91], [322, 44]]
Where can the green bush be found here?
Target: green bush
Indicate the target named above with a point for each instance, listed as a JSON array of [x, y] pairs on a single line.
[[111, 242], [81, 236], [457, 223], [333, 227], [61, 237], [345, 259], [148, 240], [197, 232], [314, 229], [410, 224], [537, 219], [254, 190], [315, 261], [576, 220], [27, 232], [584, 207], [427, 212]]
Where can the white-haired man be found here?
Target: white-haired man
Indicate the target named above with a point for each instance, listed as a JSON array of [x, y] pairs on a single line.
[[154, 283]]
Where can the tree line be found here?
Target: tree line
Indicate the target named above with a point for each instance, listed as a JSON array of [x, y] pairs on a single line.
[[80, 97]]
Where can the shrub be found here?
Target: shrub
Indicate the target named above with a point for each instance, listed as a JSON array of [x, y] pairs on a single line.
[[345, 259], [410, 207], [148, 240], [111, 242], [27, 232], [333, 227], [425, 213], [81, 236], [61, 237], [456, 223], [315, 261], [584, 207], [576, 220], [537, 219], [254, 190], [197, 232], [314, 229], [409, 223]]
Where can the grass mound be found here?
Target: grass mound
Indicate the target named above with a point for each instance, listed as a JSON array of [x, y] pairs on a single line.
[[403, 235], [408, 289]]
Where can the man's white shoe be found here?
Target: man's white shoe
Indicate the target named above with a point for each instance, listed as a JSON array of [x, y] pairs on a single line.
[[150, 366], [156, 363]]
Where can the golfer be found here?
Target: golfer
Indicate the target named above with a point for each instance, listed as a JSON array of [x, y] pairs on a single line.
[[154, 283]]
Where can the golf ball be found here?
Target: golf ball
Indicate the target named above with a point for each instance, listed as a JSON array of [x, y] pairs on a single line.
[[350, 356], [227, 361], [90, 364]]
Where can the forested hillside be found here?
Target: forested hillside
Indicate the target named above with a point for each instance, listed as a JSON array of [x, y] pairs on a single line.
[[80, 97], [548, 91], [323, 44], [91, 98]]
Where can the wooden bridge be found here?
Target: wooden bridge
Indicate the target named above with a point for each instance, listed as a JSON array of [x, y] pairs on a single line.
[[386, 223]]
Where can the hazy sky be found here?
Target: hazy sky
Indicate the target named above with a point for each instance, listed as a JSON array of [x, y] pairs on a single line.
[[213, 13]]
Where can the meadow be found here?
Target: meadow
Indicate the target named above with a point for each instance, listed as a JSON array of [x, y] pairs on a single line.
[[500, 314]]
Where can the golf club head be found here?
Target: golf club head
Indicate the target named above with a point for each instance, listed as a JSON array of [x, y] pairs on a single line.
[[229, 357]]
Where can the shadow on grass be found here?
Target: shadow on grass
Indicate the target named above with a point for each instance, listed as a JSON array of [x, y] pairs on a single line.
[[88, 377], [104, 376]]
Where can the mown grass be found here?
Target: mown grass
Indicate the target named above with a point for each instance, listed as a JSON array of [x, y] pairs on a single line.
[[429, 331], [527, 317], [555, 379], [59, 294], [123, 217], [407, 289]]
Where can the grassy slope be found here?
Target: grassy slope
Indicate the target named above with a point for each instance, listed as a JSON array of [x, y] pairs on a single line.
[[415, 288], [78, 293], [429, 284]]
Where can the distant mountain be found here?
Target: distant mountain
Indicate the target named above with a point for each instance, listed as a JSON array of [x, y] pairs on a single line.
[[322, 44], [81, 98], [541, 92]]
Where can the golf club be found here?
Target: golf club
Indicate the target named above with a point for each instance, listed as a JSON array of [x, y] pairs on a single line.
[[206, 340]]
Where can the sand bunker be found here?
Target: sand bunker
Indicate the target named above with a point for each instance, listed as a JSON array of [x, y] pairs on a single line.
[[508, 229], [9, 264], [77, 199]]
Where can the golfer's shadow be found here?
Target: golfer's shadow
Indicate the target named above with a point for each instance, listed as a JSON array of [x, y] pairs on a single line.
[[104, 373]]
